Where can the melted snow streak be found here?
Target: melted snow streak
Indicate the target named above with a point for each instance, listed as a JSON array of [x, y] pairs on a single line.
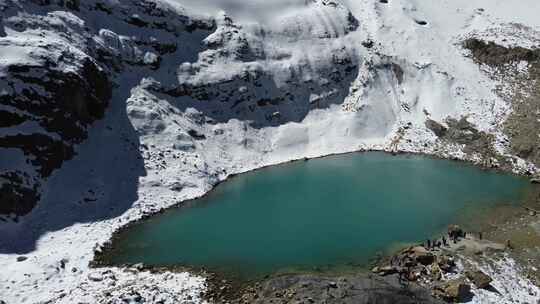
[[199, 96]]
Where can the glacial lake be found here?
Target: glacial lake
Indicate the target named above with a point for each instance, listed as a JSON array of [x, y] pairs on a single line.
[[325, 213]]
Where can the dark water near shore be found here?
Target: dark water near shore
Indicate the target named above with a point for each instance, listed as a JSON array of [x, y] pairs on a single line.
[[332, 211]]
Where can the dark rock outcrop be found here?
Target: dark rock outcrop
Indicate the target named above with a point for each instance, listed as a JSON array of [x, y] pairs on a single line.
[[63, 102], [15, 194], [462, 132], [436, 127], [493, 54], [2, 30]]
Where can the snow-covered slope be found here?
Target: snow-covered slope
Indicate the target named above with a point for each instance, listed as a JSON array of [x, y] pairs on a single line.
[[111, 110]]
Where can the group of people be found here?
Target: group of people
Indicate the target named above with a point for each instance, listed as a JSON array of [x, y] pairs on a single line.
[[454, 235], [432, 244]]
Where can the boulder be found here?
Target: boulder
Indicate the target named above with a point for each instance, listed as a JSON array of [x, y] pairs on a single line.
[[21, 258], [185, 146], [453, 290], [422, 255], [415, 273], [368, 43], [196, 134], [95, 277], [479, 279], [436, 273], [385, 270], [436, 127], [63, 263], [152, 59], [445, 263], [138, 266], [332, 284]]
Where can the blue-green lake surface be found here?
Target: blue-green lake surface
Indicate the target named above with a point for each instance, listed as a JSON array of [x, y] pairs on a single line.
[[323, 213]]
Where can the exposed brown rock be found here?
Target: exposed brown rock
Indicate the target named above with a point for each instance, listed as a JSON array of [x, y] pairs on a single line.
[[445, 263], [454, 290], [422, 255], [493, 54], [436, 127], [479, 279]]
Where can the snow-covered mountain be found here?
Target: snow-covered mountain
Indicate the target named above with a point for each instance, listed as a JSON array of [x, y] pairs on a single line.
[[111, 110]]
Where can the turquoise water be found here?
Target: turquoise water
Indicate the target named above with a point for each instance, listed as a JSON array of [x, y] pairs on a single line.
[[331, 211]]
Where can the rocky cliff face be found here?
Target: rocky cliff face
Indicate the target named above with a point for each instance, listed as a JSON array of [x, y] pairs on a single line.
[[50, 94], [60, 66], [56, 78]]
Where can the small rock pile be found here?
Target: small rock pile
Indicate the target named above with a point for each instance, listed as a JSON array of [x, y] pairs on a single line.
[[456, 290], [418, 264]]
